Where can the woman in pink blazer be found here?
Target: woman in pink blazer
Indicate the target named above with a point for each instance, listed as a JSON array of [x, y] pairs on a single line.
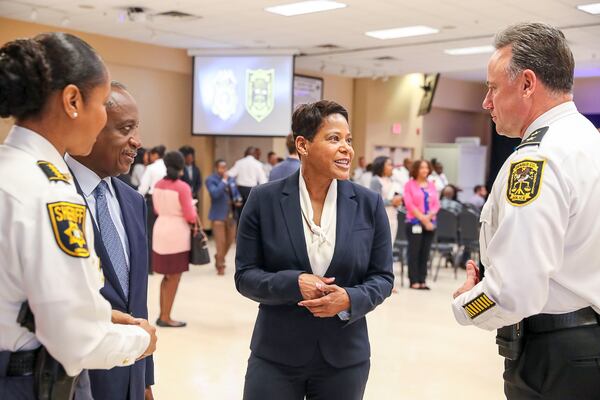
[[422, 204], [173, 204]]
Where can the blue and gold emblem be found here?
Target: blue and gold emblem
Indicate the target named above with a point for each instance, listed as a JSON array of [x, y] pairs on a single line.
[[524, 181], [68, 224]]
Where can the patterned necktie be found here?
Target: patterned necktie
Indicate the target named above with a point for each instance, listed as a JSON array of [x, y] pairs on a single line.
[[110, 237]]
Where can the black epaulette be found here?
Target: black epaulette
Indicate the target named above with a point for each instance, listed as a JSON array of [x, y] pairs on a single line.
[[535, 138], [52, 172]]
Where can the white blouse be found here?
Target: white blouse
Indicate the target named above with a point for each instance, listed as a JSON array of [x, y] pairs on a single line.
[[320, 240]]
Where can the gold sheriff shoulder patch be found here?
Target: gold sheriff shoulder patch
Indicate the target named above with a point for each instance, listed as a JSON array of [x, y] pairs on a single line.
[[52, 172], [524, 181], [68, 224], [478, 305]]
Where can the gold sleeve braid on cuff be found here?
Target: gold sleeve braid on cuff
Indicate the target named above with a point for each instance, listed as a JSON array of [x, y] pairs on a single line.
[[478, 305]]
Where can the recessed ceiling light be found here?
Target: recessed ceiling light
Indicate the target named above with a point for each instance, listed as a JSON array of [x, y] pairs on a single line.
[[406, 31], [305, 7], [86, 6], [591, 8], [465, 51]]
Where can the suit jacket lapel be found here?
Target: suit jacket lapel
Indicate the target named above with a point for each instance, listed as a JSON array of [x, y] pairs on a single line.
[[107, 267], [290, 207], [346, 211]]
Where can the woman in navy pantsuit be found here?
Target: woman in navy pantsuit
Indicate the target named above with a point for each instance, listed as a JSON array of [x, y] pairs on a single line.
[[314, 250]]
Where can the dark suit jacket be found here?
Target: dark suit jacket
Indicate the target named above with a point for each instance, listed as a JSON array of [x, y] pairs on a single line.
[[220, 201], [117, 383], [271, 254], [195, 181]]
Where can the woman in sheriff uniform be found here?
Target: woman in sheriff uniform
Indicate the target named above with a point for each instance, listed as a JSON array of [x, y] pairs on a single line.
[[55, 86]]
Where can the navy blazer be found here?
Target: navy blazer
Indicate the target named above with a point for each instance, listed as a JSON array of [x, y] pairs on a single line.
[[219, 206], [195, 181], [126, 383], [271, 254]]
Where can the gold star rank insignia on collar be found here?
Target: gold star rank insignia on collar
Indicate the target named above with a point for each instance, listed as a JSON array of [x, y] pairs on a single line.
[[534, 138], [68, 224], [52, 172], [524, 181], [478, 305]]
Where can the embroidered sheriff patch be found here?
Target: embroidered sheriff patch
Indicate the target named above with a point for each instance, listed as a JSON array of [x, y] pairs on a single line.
[[478, 305], [524, 181], [68, 224], [52, 172]]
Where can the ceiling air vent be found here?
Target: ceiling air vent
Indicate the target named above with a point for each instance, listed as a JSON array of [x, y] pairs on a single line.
[[178, 15], [328, 46], [386, 58]]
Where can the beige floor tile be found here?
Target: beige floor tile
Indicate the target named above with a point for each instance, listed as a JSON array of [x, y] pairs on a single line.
[[418, 351]]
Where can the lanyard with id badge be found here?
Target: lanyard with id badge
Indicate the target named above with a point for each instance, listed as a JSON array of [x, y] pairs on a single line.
[[417, 228]]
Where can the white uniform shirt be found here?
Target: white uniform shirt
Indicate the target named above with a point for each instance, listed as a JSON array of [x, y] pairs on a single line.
[[42, 221], [248, 172], [153, 173], [540, 248]]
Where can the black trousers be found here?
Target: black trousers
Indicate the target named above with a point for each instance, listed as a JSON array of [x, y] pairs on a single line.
[[150, 220], [560, 365], [266, 380], [244, 192], [419, 246]]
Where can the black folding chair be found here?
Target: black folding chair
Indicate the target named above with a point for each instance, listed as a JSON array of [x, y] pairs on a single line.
[[401, 245], [445, 243], [468, 225]]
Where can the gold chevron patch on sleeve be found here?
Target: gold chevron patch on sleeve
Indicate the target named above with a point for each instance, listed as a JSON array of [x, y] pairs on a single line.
[[478, 305]]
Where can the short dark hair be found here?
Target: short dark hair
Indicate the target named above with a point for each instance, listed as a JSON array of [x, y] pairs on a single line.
[[249, 151], [308, 118], [541, 48], [379, 165], [174, 163], [290, 143], [187, 150], [477, 188], [158, 150], [271, 153], [414, 168], [219, 161], [31, 69]]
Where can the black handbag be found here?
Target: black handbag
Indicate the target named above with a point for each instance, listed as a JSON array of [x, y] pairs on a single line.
[[199, 250]]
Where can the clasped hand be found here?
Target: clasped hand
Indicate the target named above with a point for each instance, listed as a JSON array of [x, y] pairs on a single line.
[[118, 317], [321, 297]]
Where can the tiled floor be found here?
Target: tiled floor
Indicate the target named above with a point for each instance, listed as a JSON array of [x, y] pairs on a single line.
[[418, 351]]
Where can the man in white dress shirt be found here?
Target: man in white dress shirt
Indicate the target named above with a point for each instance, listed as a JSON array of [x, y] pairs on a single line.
[[153, 173], [248, 173], [539, 233]]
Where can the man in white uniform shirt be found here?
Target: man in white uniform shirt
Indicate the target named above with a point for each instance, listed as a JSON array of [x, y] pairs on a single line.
[[248, 173], [539, 238]]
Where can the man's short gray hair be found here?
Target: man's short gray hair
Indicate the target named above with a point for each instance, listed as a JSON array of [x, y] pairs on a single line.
[[541, 48]]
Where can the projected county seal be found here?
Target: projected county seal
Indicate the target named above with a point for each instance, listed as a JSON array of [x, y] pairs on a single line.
[[260, 98], [224, 101]]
